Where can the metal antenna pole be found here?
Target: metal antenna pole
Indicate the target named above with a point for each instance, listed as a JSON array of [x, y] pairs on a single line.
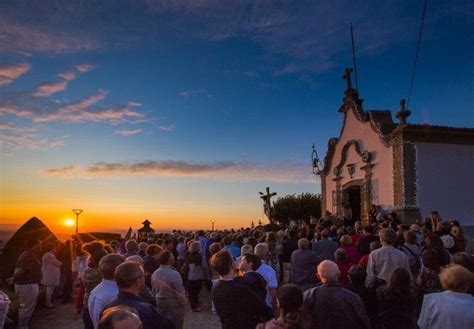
[[354, 58]]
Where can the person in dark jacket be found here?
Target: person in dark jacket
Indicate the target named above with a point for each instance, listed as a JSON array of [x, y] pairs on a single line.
[[130, 280], [330, 305], [396, 301], [248, 265], [237, 305]]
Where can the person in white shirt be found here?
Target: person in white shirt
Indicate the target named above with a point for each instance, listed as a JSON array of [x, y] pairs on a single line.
[[452, 308], [105, 291], [269, 274], [51, 273], [385, 260]]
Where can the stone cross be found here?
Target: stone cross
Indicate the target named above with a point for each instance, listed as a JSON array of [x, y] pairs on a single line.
[[347, 77], [266, 202]]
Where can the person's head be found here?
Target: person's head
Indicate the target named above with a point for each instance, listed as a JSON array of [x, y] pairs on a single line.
[[95, 257], [434, 241], [415, 228], [388, 236], [120, 317], [368, 229], [246, 249], [227, 240], [214, 247], [153, 250], [374, 245], [131, 246], [290, 300], [194, 247], [328, 271], [261, 250], [136, 259], [346, 240], [108, 264], [357, 275], [358, 226], [130, 277], [303, 244], [340, 255], [456, 278], [223, 263], [325, 234], [166, 258], [410, 237], [250, 262], [142, 246], [398, 288], [49, 247], [464, 259]]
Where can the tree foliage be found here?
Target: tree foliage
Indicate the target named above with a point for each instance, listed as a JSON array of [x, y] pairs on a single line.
[[301, 206]]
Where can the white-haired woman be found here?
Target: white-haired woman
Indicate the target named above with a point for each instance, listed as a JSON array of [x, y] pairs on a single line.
[[197, 272]]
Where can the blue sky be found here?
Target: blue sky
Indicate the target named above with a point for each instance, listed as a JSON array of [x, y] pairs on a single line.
[[213, 99]]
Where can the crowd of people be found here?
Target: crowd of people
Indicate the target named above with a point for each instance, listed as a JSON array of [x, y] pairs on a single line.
[[325, 273]]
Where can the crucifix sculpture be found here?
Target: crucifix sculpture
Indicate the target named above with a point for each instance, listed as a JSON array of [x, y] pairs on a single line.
[[266, 202], [347, 77]]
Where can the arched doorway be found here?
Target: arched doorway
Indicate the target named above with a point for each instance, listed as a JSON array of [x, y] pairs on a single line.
[[351, 195]]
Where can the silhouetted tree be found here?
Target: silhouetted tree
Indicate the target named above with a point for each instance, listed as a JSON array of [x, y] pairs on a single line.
[[301, 206]]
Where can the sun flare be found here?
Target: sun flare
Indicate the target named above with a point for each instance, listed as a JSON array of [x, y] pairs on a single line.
[[69, 222]]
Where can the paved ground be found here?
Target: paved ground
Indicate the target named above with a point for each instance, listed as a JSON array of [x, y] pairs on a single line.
[[63, 316]]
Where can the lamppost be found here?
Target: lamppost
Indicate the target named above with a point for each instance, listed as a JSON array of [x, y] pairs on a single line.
[[77, 212], [212, 223], [317, 167]]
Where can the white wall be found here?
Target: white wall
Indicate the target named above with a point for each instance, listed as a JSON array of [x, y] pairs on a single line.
[[382, 158], [445, 178]]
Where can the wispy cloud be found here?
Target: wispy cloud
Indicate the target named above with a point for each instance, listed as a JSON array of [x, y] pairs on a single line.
[[21, 141], [10, 72], [195, 92], [85, 67], [133, 103], [166, 128], [87, 109], [222, 170], [126, 133], [49, 88], [13, 128], [21, 37], [68, 75]]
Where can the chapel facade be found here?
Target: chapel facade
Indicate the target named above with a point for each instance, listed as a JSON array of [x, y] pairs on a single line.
[[411, 169]]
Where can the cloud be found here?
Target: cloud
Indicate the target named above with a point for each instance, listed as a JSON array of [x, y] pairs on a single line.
[[85, 67], [22, 141], [69, 75], [194, 92], [49, 88], [12, 128], [87, 109], [68, 171], [133, 103], [10, 72], [166, 128], [22, 37], [221, 170], [128, 132]]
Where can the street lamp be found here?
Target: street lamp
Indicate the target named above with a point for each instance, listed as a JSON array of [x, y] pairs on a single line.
[[317, 167], [77, 212], [212, 222]]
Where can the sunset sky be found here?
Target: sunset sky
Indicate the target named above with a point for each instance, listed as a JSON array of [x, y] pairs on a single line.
[[182, 111]]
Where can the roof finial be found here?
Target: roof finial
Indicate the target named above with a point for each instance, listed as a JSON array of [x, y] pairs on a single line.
[[403, 113], [347, 77]]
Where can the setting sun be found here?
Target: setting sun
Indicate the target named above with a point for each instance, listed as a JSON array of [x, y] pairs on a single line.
[[69, 222]]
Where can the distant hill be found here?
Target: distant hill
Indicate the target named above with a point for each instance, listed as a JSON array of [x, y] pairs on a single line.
[[35, 229]]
